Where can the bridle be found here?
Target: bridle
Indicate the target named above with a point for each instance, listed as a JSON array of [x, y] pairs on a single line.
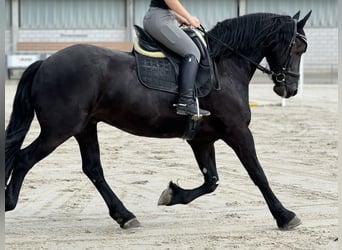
[[279, 77]]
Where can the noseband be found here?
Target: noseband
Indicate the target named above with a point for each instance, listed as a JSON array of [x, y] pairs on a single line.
[[279, 77]]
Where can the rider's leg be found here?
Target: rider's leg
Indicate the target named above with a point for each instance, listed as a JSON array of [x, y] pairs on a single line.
[[161, 25], [187, 79]]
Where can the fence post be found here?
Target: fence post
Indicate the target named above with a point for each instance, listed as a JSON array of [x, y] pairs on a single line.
[[301, 79]]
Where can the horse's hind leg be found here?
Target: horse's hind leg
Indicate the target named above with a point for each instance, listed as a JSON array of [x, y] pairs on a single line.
[[25, 160], [91, 166], [205, 156]]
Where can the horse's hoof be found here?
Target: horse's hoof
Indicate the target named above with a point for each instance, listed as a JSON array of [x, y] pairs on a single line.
[[132, 223], [292, 224], [165, 197]]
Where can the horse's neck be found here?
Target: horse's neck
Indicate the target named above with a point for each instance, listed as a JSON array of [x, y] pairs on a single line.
[[235, 74], [238, 67]]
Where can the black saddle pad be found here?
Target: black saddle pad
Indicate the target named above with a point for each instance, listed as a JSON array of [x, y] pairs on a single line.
[[157, 73], [161, 74]]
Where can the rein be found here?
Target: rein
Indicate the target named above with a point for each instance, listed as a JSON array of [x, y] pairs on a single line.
[[279, 77]]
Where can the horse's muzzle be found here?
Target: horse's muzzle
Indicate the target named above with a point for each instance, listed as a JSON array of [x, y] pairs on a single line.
[[286, 91]]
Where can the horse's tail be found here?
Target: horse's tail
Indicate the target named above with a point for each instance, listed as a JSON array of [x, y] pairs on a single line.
[[21, 117]]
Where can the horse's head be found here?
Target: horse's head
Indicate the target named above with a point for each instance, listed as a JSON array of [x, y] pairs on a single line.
[[284, 57], [281, 39]]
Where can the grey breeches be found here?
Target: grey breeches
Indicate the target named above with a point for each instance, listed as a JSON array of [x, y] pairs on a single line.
[[162, 25]]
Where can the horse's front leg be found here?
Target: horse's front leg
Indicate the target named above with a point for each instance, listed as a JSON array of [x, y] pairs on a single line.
[[242, 142], [205, 156]]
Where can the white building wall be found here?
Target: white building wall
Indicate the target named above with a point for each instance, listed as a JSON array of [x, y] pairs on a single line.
[[321, 54], [323, 49], [68, 35], [8, 44], [322, 41]]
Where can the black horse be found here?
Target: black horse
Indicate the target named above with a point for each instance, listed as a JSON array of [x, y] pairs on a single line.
[[77, 87]]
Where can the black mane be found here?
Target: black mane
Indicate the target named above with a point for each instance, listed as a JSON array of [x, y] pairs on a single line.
[[249, 32]]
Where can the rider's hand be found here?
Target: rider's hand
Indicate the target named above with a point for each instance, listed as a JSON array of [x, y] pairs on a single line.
[[194, 21], [182, 21]]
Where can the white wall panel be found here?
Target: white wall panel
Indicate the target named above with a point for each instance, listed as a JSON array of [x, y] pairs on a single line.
[[140, 8], [209, 12], [324, 12], [67, 14], [8, 14]]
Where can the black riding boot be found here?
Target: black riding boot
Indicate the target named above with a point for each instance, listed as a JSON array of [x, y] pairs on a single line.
[[187, 78]]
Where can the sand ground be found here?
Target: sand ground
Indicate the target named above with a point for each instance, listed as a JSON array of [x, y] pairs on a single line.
[[297, 145]]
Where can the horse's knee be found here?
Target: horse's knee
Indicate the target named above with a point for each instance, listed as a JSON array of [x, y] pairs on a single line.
[[94, 173], [259, 179]]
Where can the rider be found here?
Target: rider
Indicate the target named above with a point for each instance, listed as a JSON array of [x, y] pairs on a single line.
[[159, 22]]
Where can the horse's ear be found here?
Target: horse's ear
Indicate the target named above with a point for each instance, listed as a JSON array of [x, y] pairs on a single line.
[[296, 16], [302, 22]]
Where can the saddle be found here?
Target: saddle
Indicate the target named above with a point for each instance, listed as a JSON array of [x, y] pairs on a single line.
[[158, 67]]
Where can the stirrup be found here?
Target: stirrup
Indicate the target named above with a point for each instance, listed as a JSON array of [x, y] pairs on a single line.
[[198, 116], [191, 109]]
